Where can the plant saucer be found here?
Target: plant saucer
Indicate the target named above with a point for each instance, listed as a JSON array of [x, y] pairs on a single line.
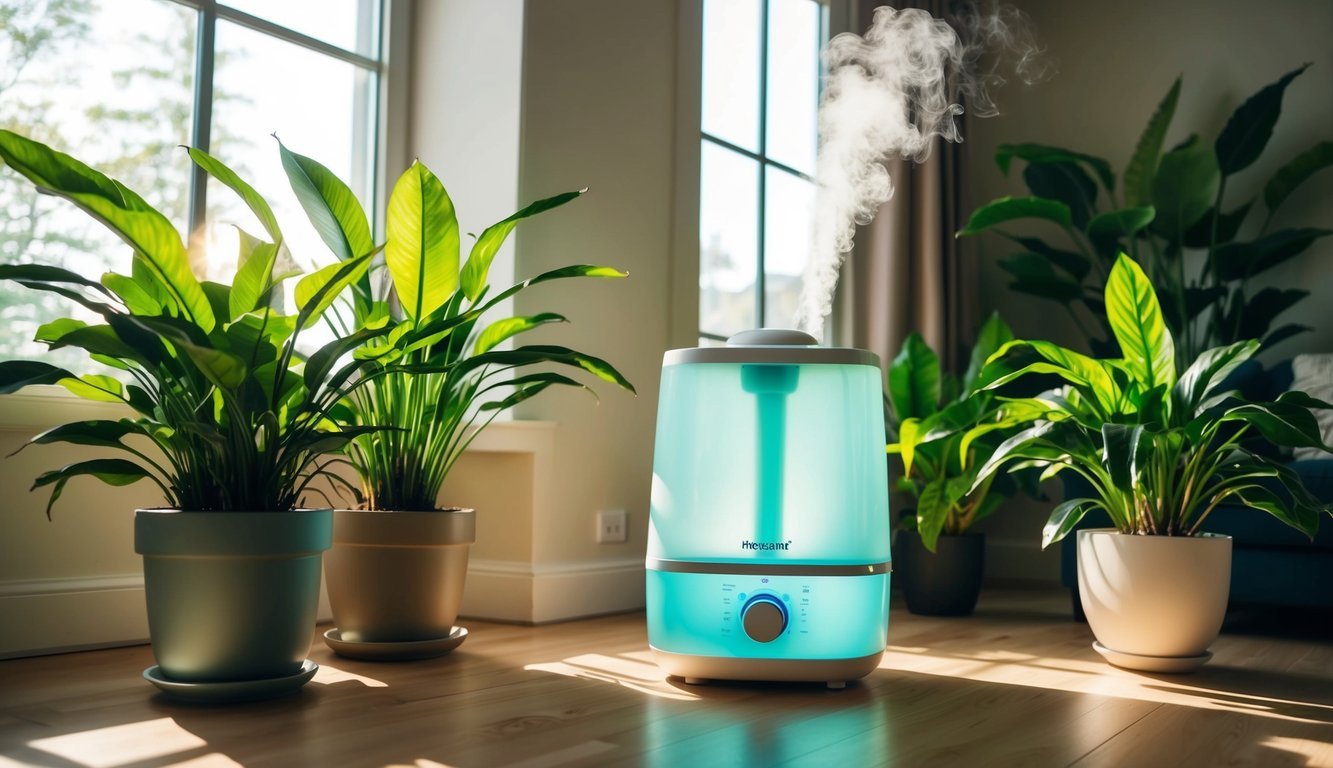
[[232, 690], [407, 650], [1138, 663]]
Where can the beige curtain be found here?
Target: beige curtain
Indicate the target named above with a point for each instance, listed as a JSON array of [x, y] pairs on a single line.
[[906, 272]]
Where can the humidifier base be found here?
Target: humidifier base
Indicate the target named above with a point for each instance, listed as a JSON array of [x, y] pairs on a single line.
[[696, 669]]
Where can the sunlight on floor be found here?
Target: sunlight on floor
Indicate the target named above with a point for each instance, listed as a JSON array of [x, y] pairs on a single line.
[[329, 674], [1310, 750], [634, 670], [1095, 677], [121, 744]]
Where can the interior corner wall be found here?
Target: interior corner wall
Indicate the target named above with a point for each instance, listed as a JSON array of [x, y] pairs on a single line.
[[598, 111], [1115, 62]]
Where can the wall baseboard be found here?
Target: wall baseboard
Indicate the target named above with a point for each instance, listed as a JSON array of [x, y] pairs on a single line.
[[536, 594], [43, 616], [60, 615]]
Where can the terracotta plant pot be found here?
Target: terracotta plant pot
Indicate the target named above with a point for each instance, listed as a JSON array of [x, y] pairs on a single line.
[[1154, 602], [232, 596], [945, 582], [397, 577]]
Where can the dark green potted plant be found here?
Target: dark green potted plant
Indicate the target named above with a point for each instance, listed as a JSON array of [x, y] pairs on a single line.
[[229, 422], [945, 431], [398, 563], [1161, 450], [1170, 212]]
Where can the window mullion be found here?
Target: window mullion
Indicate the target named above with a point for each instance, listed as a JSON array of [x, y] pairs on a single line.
[[760, 287], [203, 115]]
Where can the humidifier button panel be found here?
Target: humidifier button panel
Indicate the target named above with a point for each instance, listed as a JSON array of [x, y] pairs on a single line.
[[796, 616]]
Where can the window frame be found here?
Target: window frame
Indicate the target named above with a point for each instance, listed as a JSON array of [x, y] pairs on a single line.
[[761, 156], [46, 406]]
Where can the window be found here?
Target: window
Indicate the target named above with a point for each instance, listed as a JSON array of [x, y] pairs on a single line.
[[120, 84], [758, 140]]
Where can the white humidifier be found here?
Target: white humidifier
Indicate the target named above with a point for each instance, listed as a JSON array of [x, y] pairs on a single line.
[[768, 545]]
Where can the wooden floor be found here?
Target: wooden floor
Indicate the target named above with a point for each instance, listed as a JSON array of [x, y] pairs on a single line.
[[1016, 684]]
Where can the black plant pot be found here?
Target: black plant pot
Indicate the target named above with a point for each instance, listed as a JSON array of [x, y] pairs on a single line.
[[945, 582]]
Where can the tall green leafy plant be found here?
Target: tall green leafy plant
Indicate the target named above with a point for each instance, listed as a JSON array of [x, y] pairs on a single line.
[[446, 380], [1170, 207], [946, 430], [1160, 448], [227, 414]]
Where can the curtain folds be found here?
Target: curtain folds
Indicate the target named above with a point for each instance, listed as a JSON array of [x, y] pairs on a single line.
[[906, 272]]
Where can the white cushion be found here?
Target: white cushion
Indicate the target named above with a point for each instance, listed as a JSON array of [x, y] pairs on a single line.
[[1313, 375]]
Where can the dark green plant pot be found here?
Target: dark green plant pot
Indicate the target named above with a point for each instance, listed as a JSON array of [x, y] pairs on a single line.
[[944, 583], [231, 595]]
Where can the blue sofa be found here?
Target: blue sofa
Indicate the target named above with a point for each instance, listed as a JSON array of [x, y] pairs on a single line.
[[1271, 563]]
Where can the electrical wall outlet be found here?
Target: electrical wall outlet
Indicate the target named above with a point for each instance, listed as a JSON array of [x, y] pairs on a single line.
[[612, 526]]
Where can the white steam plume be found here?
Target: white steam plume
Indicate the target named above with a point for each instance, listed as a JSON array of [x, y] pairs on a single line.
[[890, 93]]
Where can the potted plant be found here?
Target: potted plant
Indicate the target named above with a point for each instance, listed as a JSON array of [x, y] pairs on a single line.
[[1161, 450], [398, 563], [227, 422], [946, 430], [1171, 210]]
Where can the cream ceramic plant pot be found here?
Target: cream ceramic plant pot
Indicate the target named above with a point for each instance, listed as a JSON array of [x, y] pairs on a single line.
[[232, 596], [1154, 602], [397, 577]]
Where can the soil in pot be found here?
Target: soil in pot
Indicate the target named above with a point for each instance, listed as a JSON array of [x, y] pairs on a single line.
[[946, 582]]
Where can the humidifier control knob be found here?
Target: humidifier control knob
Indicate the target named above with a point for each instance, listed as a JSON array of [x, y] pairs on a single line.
[[764, 618]]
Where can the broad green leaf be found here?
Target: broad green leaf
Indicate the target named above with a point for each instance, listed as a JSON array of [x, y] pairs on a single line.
[[102, 433], [503, 329], [317, 291], [1114, 225], [1241, 260], [17, 374], [252, 287], [1016, 446], [932, 508], [1065, 518], [914, 379], [1294, 174], [334, 212], [115, 472], [1263, 308], [478, 266], [1283, 333], [1282, 423], [1090, 374], [257, 204], [1246, 133], [1120, 447], [137, 299], [994, 334], [1208, 371], [1142, 165], [909, 437], [101, 340], [322, 361], [1034, 275], [103, 389], [536, 354], [1067, 183], [1075, 264], [421, 251], [1040, 153], [1006, 209], [1184, 187], [151, 235], [1201, 234], [40, 273], [1302, 517], [1136, 320]]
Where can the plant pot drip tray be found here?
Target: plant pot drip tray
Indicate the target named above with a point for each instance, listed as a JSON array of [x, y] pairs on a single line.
[[1137, 663], [401, 651], [231, 691]]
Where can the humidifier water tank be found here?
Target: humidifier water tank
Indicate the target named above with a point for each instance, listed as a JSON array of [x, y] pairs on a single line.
[[768, 546]]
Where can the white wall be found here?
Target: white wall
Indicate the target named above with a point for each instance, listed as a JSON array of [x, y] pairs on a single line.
[[1116, 61], [598, 111]]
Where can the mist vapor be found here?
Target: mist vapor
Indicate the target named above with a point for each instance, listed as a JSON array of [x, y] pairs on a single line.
[[890, 93]]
